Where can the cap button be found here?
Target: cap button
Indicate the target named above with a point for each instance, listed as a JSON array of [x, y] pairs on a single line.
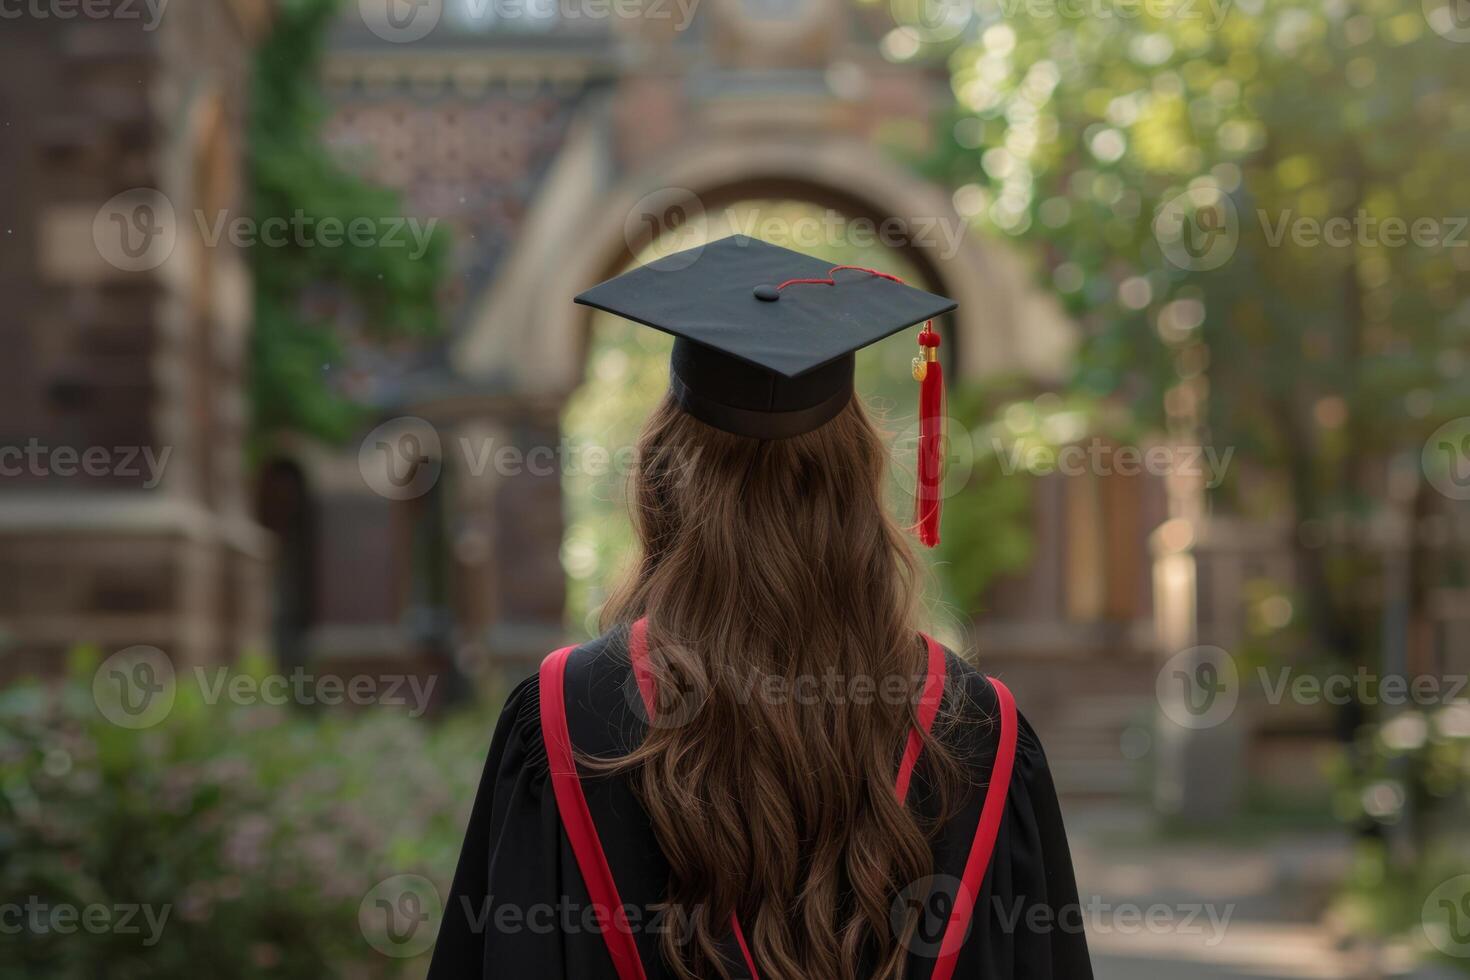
[[767, 294]]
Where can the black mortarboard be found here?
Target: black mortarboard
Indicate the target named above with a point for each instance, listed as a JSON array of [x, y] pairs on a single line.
[[758, 351]]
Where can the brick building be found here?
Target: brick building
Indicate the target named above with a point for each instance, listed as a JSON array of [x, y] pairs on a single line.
[[125, 515]]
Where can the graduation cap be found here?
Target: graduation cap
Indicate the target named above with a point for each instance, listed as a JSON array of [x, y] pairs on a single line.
[[765, 338]]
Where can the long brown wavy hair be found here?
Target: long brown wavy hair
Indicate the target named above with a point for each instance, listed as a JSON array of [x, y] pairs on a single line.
[[774, 581]]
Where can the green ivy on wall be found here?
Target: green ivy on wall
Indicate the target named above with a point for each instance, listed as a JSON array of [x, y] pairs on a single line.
[[304, 289]]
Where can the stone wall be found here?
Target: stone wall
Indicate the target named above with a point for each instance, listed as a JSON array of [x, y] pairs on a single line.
[[124, 517]]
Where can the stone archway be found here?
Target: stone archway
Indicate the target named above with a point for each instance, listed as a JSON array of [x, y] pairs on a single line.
[[527, 342], [529, 334]]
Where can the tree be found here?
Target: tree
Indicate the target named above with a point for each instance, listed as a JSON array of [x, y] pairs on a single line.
[[1257, 214], [303, 291]]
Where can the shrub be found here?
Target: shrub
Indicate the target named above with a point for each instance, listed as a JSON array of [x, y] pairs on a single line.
[[230, 840]]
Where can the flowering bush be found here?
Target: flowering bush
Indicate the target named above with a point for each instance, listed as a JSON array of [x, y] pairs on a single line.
[[228, 840]]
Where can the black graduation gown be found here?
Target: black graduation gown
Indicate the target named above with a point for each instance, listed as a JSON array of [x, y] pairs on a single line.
[[519, 906]]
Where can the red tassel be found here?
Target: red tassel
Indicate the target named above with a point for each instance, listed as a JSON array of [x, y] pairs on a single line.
[[930, 468]]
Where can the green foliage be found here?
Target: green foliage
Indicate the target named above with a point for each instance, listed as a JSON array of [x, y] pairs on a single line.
[[1314, 340], [252, 833], [303, 292], [987, 510], [1409, 879], [1073, 131]]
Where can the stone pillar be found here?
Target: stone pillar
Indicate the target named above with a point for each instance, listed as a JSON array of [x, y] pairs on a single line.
[[124, 513]]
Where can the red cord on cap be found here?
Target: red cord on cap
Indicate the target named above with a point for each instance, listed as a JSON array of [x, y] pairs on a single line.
[[832, 281], [930, 456]]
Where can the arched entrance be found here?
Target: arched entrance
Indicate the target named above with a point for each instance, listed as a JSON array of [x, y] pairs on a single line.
[[626, 374], [588, 224], [529, 341], [284, 507]]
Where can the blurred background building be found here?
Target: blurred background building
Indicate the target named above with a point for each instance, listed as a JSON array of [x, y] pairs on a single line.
[[120, 548], [428, 508]]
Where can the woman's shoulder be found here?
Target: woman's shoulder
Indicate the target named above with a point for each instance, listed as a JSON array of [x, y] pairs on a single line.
[[586, 667], [594, 694], [972, 705]]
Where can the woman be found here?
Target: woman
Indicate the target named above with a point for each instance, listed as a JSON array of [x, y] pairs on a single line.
[[762, 768]]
